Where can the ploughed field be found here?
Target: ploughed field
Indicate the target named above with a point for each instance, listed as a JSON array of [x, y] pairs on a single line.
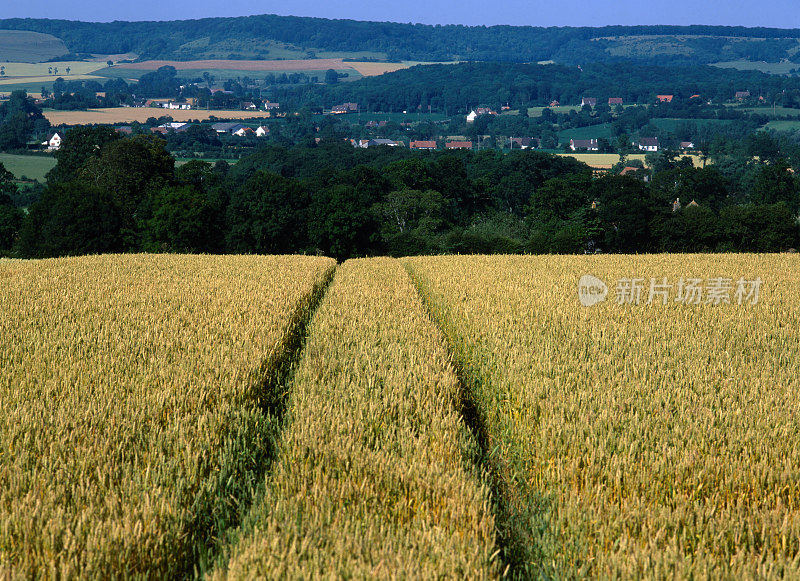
[[454, 416]]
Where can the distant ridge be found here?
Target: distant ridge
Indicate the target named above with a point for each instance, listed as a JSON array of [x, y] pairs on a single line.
[[271, 36], [26, 46]]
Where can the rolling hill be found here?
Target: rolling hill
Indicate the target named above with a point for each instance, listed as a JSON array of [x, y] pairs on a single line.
[[289, 37], [28, 46]]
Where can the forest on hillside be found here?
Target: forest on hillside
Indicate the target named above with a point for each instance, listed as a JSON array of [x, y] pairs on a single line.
[[188, 39], [460, 86]]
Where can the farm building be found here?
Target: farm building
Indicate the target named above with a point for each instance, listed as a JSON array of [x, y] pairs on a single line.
[[345, 108], [228, 127], [475, 113], [587, 144], [422, 145], [458, 145], [524, 142], [591, 101], [648, 144], [244, 132], [268, 106]]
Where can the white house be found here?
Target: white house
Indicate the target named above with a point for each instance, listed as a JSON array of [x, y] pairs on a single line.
[[243, 132], [648, 144], [262, 131], [53, 142]]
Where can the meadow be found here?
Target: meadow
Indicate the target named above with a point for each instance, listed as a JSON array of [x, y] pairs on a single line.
[[24, 45], [33, 167], [449, 417]]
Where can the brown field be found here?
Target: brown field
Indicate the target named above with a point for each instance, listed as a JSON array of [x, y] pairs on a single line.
[[367, 69], [141, 114]]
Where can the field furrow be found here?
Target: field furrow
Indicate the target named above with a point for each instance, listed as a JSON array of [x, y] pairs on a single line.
[[132, 394], [656, 440], [377, 474]]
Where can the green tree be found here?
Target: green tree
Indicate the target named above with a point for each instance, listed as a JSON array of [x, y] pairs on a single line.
[[331, 77], [72, 218], [181, 221]]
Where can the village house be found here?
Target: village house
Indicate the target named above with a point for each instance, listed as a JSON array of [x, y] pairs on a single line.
[[648, 144], [687, 145], [268, 106], [345, 108], [742, 95], [422, 145], [365, 143], [615, 100], [458, 145], [554, 104], [243, 132], [375, 124], [665, 98], [591, 101], [54, 141], [262, 131], [584, 144], [475, 113], [524, 142], [175, 126], [227, 127]]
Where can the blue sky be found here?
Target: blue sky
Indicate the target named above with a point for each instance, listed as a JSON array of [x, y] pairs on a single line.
[[773, 13]]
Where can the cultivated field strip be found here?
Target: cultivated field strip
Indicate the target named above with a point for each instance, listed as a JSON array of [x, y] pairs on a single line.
[[376, 476], [130, 405], [632, 440]]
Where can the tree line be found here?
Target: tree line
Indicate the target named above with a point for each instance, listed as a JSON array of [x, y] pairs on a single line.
[[109, 193]]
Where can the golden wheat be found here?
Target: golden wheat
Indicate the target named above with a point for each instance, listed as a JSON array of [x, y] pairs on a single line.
[[128, 404], [633, 440], [376, 477]]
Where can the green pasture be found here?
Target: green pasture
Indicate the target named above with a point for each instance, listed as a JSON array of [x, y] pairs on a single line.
[[783, 125], [603, 130], [24, 45], [33, 167], [782, 68]]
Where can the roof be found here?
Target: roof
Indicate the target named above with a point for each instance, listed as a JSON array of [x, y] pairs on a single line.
[[229, 127], [615, 100], [589, 101], [665, 98], [649, 141], [587, 143], [422, 145], [458, 145]]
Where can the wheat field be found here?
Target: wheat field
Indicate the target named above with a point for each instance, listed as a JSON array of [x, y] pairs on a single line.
[[447, 417], [376, 475], [630, 440], [130, 415]]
